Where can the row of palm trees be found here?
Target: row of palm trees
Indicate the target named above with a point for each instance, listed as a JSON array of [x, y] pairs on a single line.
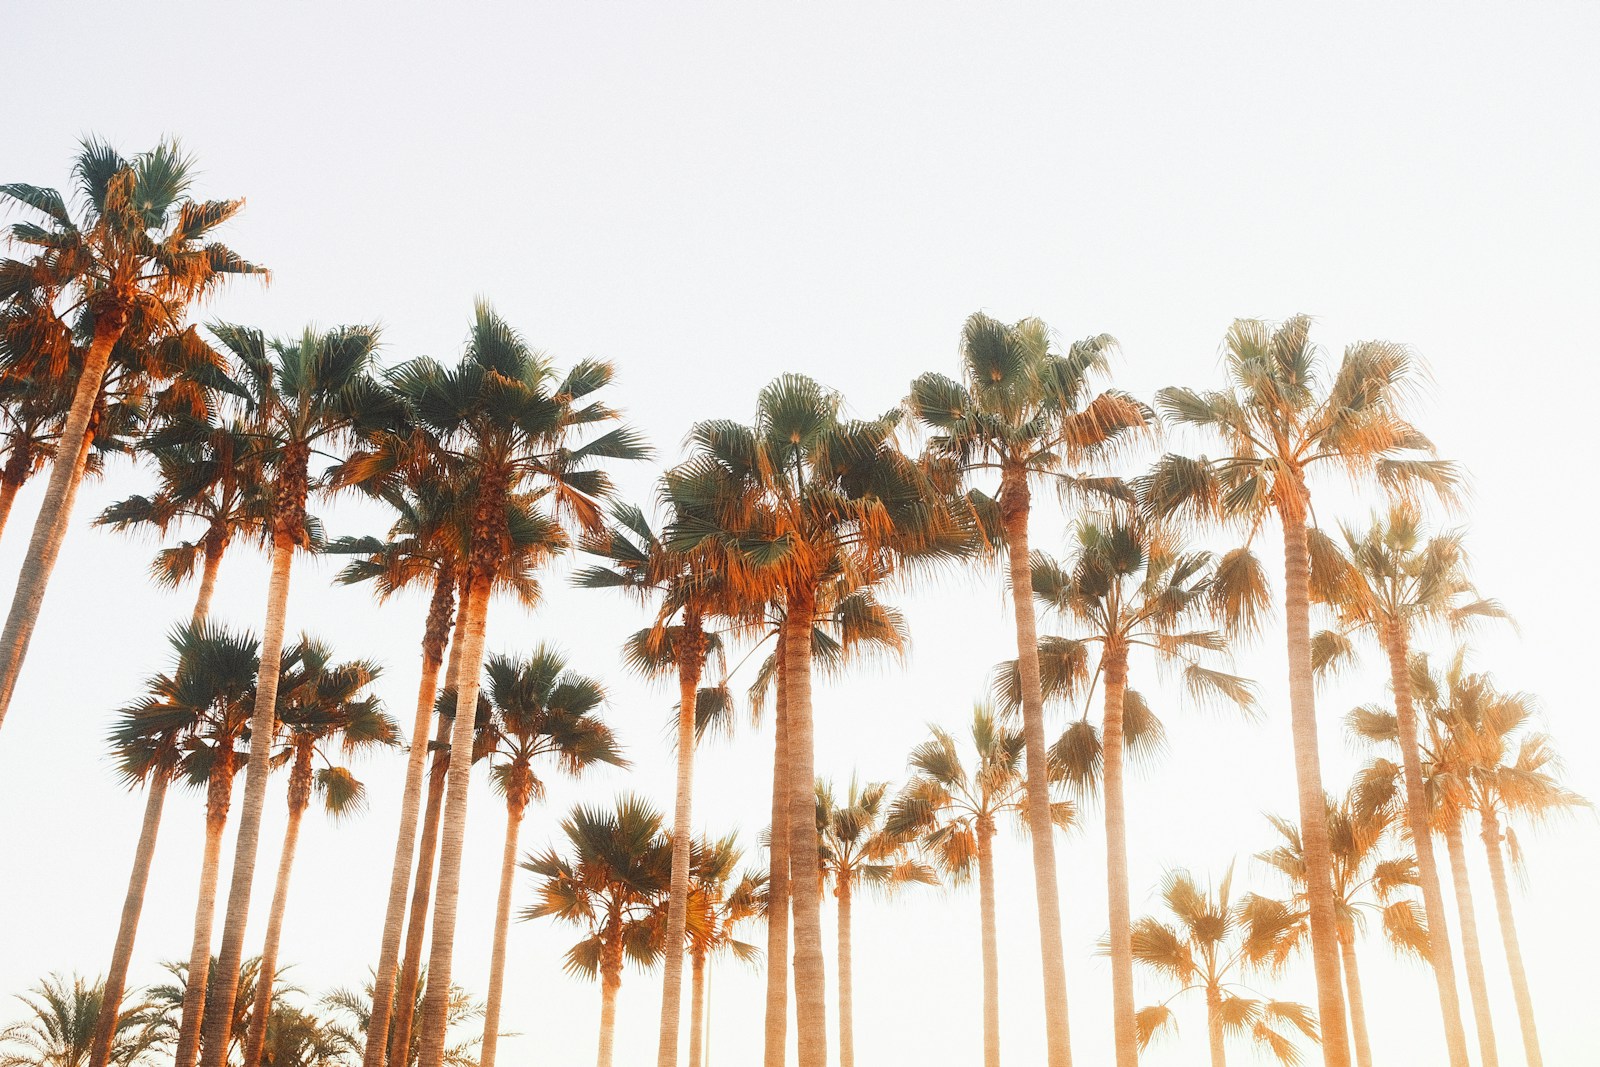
[[774, 534]]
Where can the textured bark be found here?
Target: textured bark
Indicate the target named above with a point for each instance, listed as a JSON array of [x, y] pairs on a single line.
[[1214, 1032], [441, 610], [1313, 802], [1508, 936], [208, 579], [1358, 1007], [18, 465], [805, 888], [299, 798], [515, 808], [1014, 507], [1472, 953], [777, 1008], [697, 1011], [1124, 1027], [610, 984], [847, 1026], [1439, 952], [991, 945], [691, 662], [219, 796], [55, 511], [128, 928]]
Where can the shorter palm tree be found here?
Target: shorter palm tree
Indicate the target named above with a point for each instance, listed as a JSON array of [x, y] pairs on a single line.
[[166, 1012], [858, 849], [299, 1037], [611, 883], [59, 1031], [461, 1019], [719, 903], [1212, 947]]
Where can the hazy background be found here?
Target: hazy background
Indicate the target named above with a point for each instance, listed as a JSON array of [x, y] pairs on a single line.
[[712, 195]]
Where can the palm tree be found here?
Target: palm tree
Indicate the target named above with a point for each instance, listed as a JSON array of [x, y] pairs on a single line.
[[1386, 582], [802, 500], [65, 1019], [131, 264], [297, 1037], [954, 808], [542, 710], [1022, 411], [1212, 948], [462, 1014], [1282, 419], [31, 412], [305, 396], [718, 906], [208, 475], [857, 849], [611, 884], [1131, 585], [1367, 877], [163, 1019], [517, 428], [320, 704]]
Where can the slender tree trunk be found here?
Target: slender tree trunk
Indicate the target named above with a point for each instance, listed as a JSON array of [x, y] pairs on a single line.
[[777, 1012], [691, 661], [1124, 1027], [1313, 800], [610, 984], [1488, 1048], [1508, 935], [697, 1011], [219, 795], [991, 946], [515, 807], [1219, 1053], [263, 728], [405, 996], [1358, 1007], [128, 928], [208, 585], [453, 829], [266, 972], [805, 890], [435, 632], [55, 512], [847, 1025], [1439, 953], [11, 481], [1014, 507]]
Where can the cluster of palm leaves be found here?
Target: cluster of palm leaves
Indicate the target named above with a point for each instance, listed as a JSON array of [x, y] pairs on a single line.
[[775, 539]]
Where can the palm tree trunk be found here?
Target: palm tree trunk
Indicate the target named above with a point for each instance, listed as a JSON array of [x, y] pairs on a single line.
[[453, 829], [405, 995], [502, 923], [1124, 1027], [10, 483], [1219, 1053], [435, 632], [610, 984], [219, 795], [1014, 507], [805, 890], [55, 512], [847, 1026], [1508, 935], [697, 1011], [263, 728], [777, 1012], [128, 928], [208, 585], [691, 661], [1488, 1049], [266, 971], [1439, 953], [1313, 803], [1358, 1007], [991, 947]]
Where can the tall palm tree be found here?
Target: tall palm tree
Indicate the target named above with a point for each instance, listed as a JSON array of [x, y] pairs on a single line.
[[1212, 948], [208, 474], [858, 849], [462, 1013], [720, 901], [1023, 412], [31, 413], [954, 809], [518, 429], [64, 1020], [1131, 586], [541, 710], [1386, 582], [611, 884], [305, 396], [1283, 418], [1367, 877], [320, 704], [801, 500], [138, 254]]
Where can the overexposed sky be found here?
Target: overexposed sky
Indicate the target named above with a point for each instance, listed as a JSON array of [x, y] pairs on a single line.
[[710, 195]]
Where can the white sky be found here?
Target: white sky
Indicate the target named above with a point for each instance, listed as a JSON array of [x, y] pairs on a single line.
[[712, 196]]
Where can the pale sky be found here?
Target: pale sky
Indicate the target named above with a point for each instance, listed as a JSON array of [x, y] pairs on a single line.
[[710, 195]]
